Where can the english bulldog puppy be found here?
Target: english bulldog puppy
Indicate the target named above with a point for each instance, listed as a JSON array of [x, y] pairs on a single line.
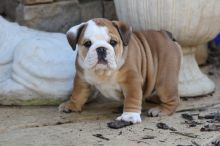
[[124, 65]]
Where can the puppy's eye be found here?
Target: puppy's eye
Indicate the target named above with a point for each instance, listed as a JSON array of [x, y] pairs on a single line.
[[113, 43], [87, 44]]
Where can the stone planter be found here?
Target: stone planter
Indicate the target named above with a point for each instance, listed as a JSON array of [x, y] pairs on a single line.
[[193, 23]]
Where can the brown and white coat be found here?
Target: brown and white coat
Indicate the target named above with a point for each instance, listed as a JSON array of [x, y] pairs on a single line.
[[124, 65]]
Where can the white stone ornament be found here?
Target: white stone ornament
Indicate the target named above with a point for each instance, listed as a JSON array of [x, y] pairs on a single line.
[[36, 68]]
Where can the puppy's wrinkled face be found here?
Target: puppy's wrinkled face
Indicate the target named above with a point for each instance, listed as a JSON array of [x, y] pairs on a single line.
[[99, 46], [100, 43]]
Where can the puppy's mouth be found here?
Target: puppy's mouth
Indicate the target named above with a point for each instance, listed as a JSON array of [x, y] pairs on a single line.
[[102, 64], [102, 61]]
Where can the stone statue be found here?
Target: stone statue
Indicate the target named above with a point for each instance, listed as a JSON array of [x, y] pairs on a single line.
[[36, 68]]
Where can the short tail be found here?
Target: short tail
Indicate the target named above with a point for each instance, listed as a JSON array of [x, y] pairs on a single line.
[[170, 35]]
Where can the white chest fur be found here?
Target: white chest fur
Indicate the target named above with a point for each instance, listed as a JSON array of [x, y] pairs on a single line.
[[108, 87]]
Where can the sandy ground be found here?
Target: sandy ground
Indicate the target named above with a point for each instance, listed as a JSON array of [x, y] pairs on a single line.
[[45, 126]]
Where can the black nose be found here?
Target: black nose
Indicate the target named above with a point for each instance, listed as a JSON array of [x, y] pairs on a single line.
[[101, 51]]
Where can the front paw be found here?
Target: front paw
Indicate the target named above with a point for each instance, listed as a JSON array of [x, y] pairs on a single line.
[[133, 117], [68, 107]]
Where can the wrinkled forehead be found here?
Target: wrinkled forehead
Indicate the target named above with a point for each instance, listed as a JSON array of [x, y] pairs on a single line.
[[96, 32]]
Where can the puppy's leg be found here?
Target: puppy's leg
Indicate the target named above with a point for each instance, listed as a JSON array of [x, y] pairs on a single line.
[[132, 92], [80, 94], [169, 99], [167, 79], [167, 107]]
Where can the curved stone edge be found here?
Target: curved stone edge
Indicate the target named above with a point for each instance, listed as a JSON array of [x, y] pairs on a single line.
[[199, 87], [13, 92]]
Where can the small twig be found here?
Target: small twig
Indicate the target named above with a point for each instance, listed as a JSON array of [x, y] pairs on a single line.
[[192, 123], [139, 141], [187, 116], [192, 109], [214, 116], [191, 135], [101, 136], [165, 126], [197, 108], [212, 127], [148, 137], [183, 145], [148, 129], [162, 126], [210, 116], [162, 141]]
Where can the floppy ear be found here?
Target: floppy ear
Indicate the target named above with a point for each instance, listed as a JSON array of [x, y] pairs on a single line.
[[73, 34], [124, 30]]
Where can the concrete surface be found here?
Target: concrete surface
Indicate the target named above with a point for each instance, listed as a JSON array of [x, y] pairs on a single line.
[[45, 126]]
